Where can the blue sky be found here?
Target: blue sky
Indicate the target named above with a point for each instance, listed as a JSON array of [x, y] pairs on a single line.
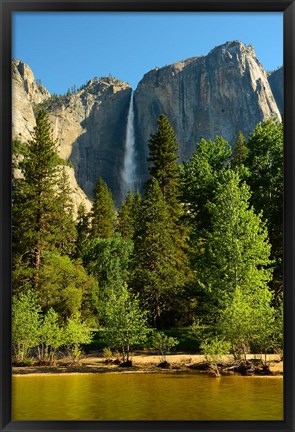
[[67, 49]]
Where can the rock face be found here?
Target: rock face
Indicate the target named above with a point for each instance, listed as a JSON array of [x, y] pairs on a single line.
[[91, 127], [218, 94], [26, 94], [276, 82]]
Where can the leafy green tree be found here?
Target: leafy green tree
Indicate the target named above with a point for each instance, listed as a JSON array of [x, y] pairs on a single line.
[[163, 344], [126, 217], [26, 316], [236, 251], [199, 180], [66, 287], [265, 163], [41, 208], [265, 324], [50, 336], [76, 334], [214, 348], [125, 323], [103, 212], [155, 275], [249, 319], [237, 322], [108, 260]]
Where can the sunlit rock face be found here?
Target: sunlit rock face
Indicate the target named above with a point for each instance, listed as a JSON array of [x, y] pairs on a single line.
[[218, 94], [221, 93]]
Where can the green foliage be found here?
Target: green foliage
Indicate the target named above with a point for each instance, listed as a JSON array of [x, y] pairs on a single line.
[[240, 152], [66, 287], [163, 156], [50, 336], [163, 344], [265, 163], [236, 251], [249, 319], [125, 322], [199, 179], [42, 209], [155, 276], [214, 348], [83, 229], [126, 217], [103, 212], [19, 147], [108, 260], [25, 324], [76, 333]]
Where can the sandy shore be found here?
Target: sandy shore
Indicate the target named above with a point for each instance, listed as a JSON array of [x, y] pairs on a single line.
[[142, 363]]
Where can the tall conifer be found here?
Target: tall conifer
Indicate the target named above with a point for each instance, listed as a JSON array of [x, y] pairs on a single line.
[[103, 211], [41, 205]]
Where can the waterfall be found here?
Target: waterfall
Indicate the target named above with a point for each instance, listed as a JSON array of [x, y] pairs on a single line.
[[129, 167]]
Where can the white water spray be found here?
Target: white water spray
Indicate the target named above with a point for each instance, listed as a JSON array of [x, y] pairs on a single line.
[[129, 167]]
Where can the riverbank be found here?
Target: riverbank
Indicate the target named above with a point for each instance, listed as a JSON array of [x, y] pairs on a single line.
[[143, 362]]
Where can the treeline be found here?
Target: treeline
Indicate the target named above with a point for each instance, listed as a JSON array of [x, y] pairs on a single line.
[[202, 248]]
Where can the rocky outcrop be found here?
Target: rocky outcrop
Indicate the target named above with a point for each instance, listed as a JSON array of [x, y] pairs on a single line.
[[26, 95], [218, 94], [91, 128], [276, 82]]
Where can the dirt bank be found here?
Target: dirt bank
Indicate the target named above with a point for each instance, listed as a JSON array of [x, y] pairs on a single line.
[[142, 362]]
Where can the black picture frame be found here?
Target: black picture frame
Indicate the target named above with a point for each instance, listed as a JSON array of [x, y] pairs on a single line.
[[7, 8]]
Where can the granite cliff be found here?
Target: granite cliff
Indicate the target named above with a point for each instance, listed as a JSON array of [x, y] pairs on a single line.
[[276, 82], [26, 96], [218, 94]]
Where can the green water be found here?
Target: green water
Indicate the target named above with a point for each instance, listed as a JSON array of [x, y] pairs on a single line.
[[192, 396]]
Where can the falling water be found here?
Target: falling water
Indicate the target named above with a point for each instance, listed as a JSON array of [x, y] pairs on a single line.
[[129, 168]]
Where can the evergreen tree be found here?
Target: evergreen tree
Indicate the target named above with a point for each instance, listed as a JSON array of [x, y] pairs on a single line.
[[65, 232], [41, 206], [163, 157], [82, 231], [165, 169], [103, 212], [240, 152], [126, 217], [155, 275], [236, 250]]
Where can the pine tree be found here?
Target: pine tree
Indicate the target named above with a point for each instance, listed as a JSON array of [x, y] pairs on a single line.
[[164, 167], [37, 200], [240, 152], [82, 231], [65, 232], [163, 157], [155, 276], [103, 212], [126, 217]]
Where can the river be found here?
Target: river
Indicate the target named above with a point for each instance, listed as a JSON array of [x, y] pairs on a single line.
[[189, 396]]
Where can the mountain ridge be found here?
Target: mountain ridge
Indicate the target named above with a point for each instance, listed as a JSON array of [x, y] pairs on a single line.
[[218, 94]]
